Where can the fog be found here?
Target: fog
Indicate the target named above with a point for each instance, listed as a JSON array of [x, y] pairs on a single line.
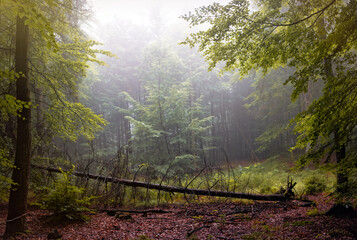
[[153, 77], [138, 11], [128, 97]]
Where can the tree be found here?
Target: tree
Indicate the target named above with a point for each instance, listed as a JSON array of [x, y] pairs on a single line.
[[21, 173], [54, 63], [168, 124], [315, 38], [270, 105]]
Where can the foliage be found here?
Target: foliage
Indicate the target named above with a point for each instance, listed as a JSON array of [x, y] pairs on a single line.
[[5, 166], [317, 39], [314, 212], [270, 102], [169, 124], [64, 199], [314, 184], [59, 57]]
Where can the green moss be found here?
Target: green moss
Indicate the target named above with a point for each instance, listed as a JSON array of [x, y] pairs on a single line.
[[301, 223], [314, 212]]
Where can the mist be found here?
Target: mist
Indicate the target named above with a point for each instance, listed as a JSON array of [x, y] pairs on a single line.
[[181, 105]]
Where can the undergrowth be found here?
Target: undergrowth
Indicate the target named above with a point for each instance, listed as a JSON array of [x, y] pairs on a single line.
[[267, 177], [63, 199]]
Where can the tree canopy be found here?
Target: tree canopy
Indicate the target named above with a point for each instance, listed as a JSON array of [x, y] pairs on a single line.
[[317, 39], [51, 58]]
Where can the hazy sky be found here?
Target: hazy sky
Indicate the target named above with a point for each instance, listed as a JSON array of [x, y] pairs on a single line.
[[138, 10]]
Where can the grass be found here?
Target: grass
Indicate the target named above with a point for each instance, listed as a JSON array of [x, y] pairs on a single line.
[[266, 177]]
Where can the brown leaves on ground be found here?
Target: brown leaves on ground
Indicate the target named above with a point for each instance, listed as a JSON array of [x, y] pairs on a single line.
[[219, 220]]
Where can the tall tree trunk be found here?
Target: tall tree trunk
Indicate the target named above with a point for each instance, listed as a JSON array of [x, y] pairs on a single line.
[[161, 115], [39, 121], [213, 151], [20, 176], [119, 134], [342, 178]]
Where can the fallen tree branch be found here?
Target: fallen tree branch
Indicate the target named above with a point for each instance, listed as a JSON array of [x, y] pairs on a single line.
[[144, 211], [215, 193], [196, 229], [112, 212], [11, 220]]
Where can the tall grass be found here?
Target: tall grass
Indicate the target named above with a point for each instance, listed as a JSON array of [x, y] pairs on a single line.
[[266, 177]]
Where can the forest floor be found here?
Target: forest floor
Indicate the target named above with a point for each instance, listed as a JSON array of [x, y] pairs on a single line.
[[213, 220]]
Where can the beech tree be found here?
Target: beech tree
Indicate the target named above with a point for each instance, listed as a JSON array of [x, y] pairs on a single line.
[[315, 38], [20, 176], [54, 63]]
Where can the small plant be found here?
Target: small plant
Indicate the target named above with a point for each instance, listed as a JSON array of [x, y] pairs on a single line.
[[64, 199], [301, 223], [339, 233], [193, 237], [253, 236], [314, 212], [314, 185], [144, 237]]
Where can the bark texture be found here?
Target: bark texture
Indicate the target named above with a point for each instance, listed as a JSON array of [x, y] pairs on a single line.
[[16, 219]]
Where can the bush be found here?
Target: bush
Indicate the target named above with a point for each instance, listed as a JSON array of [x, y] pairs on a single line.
[[315, 185], [64, 199]]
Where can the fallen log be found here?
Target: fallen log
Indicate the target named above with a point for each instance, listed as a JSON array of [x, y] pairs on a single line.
[[185, 190]]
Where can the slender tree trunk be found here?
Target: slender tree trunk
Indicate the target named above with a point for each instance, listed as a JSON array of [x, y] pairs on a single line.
[[20, 176], [342, 178], [213, 151], [162, 117], [127, 129], [119, 134], [39, 121]]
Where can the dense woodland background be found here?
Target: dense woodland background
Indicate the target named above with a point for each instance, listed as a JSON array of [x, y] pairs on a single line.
[[143, 105], [159, 103]]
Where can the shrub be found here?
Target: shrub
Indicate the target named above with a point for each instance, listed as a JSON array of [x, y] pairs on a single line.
[[64, 199], [314, 185]]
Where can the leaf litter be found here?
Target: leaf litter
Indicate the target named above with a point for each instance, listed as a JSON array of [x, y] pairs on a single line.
[[213, 220]]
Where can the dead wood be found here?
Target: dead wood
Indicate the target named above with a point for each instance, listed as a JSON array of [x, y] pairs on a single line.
[[185, 190], [196, 229], [144, 211], [113, 212]]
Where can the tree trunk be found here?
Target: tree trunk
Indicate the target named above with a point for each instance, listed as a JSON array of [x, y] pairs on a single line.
[[213, 151], [342, 178], [16, 219], [39, 121]]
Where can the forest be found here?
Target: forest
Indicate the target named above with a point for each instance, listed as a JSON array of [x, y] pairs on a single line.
[[226, 119]]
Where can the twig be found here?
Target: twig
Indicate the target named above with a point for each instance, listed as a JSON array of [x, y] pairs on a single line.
[[195, 177], [196, 229], [138, 211], [11, 220]]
